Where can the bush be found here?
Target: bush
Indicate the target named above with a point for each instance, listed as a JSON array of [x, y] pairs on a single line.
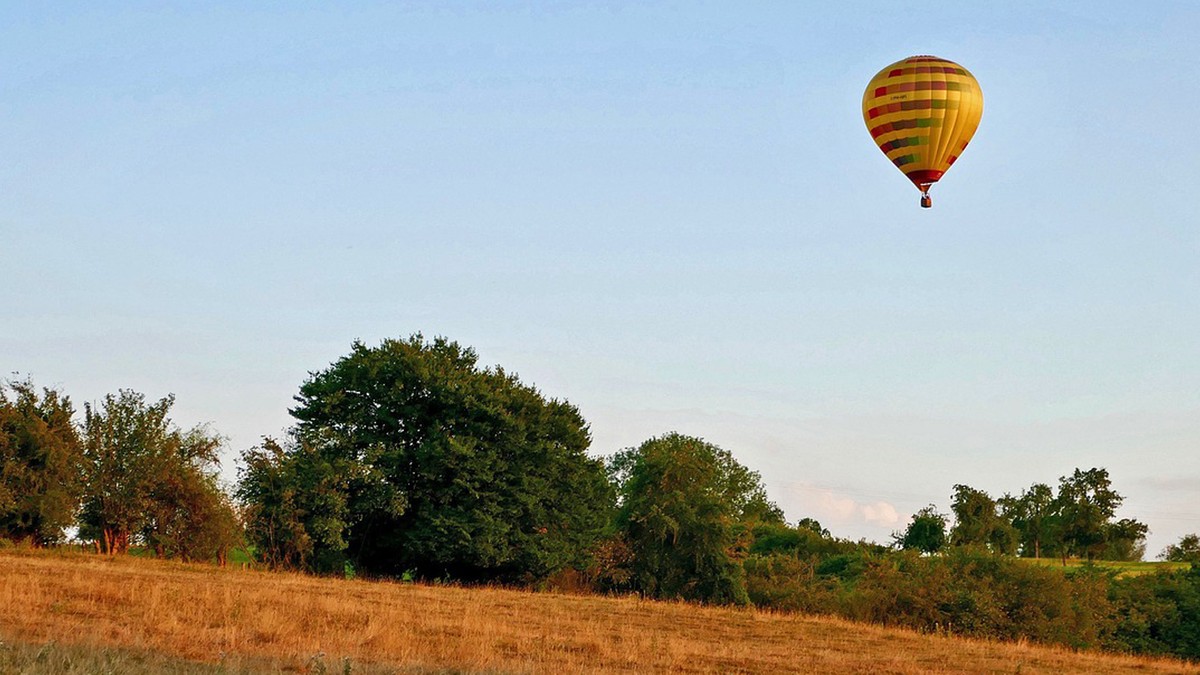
[[1158, 613], [966, 592]]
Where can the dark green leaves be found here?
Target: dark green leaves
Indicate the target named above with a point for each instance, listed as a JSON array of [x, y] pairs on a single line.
[[683, 505], [443, 467], [40, 463]]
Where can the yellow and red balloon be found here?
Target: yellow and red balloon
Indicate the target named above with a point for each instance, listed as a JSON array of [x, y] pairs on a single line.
[[922, 111]]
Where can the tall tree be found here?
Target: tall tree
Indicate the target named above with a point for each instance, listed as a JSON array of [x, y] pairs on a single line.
[[40, 463], [1087, 502], [682, 505], [447, 468]]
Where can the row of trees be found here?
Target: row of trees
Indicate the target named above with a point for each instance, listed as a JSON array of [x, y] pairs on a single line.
[[408, 459], [127, 472], [1079, 520]]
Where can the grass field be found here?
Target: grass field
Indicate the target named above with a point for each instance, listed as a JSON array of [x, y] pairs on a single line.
[[1122, 568], [72, 612]]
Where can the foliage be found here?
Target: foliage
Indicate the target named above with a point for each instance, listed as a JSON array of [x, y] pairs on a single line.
[[443, 467], [1159, 613], [611, 565], [40, 462], [191, 517], [965, 591], [977, 523], [926, 533], [1125, 540], [144, 476], [1086, 502], [1077, 521], [684, 506], [1187, 550], [295, 505], [1034, 517]]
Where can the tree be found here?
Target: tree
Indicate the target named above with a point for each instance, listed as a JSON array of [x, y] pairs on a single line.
[[812, 525], [189, 516], [926, 533], [136, 465], [295, 505], [445, 468], [1035, 517], [1187, 550], [40, 463], [977, 523], [1086, 502], [1125, 540], [683, 504]]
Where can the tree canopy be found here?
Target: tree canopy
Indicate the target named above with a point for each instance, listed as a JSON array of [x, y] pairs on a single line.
[[40, 463], [926, 532], [683, 504], [435, 465], [1187, 549], [145, 477]]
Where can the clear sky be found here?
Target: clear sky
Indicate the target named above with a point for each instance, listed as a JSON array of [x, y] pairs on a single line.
[[670, 214]]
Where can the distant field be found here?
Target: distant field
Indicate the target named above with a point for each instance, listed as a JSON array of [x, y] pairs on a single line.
[[73, 612], [1124, 568]]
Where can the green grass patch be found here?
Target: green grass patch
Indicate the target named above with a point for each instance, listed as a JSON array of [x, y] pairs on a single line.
[[1122, 568]]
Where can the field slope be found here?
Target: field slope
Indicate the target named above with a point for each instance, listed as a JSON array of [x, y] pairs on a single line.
[[196, 615]]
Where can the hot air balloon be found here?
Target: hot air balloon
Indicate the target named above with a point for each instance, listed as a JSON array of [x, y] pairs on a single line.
[[922, 112]]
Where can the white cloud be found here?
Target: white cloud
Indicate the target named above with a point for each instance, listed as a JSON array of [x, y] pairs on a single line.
[[880, 513], [831, 505], [839, 511]]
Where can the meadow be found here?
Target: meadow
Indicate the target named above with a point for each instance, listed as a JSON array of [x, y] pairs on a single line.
[[65, 612], [1123, 568]]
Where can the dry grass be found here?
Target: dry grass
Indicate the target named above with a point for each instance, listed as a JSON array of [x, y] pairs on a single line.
[[206, 614]]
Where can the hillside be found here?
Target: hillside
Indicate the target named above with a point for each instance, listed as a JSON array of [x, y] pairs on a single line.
[[170, 616]]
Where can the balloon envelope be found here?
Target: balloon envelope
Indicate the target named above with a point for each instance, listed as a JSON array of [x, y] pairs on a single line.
[[921, 112]]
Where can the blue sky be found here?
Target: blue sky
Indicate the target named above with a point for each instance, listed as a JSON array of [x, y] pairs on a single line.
[[670, 214]]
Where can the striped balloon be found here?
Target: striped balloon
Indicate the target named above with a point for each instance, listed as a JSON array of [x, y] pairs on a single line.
[[922, 112]]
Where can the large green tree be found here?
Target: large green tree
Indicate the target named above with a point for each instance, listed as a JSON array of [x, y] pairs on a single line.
[[444, 467], [684, 506], [1086, 503], [40, 463]]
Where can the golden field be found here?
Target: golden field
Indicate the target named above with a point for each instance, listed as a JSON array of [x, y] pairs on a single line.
[[288, 622]]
